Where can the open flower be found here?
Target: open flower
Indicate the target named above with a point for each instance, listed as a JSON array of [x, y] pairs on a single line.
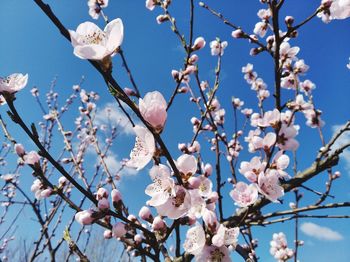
[[187, 166], [163, 185], [269, 185], [226, 236], [90, 42], [13, 83], [153, 109], [195, 240], [143, 150], [213, 253], [95, 7], [244, 195]]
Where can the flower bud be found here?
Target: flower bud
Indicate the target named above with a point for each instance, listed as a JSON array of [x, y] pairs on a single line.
[[19, 150], [145, 214], [119, 230], [194, 182], [158, 224], [84, 217], [103, 204], [107, 234], [237, 33], [199, 43]]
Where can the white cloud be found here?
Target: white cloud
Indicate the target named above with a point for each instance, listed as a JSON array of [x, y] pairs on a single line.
[[341, 141], [114, 164], [116, 116], [320, 232]]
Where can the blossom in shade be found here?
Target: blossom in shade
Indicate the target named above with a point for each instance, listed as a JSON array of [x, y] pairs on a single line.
[[119, 230], [195, 240], [153, 109], [244, 195], [90, 42], [143, 150], [13, 83]]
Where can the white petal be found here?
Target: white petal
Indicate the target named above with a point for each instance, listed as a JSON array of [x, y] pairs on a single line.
[[92, 52], [115, 34]]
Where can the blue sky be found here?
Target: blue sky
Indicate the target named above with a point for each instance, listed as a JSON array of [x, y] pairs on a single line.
[[31, 44]]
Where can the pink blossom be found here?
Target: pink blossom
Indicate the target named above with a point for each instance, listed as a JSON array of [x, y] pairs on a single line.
[[46, 193], [116, 196], [280, 162], [13, 83], [187, 165], [107, 234], [150, 4], [210, 219], [19, 150], [158, 224], [145, 213], [213, 253], [286, 139], [271, 118], [268, 185], [199, 43], [261, 28], [217, 47], [176, 205], [143, 150], [163, 186], [195, 240], [279, 247], [288, 52], [119, 230], [101, 193], [244, 195], [237, 33], [95, 7], [153, 109], [90, 42], [226, 236], [31, 158], [252, 169], [84, 217], [103, 204]]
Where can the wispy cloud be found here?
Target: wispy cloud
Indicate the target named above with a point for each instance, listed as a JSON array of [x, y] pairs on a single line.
[[320, 232], [113, 163], [116, 118], [341, 141]]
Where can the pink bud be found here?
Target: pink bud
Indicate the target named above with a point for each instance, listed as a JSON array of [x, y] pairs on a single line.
[[237, 33], [107, 234], [145, 213], [158, 224], [101, 193], [208, 170], [116, 196], [162, 18], [119, 230], [103, 204], [132, 218], [62, 181], [210, 219], [46, 192], [182, 146], [31, 158], [84, 217], [199, 43], [129, 91], [193, 59], [19, 149], [138, 238]]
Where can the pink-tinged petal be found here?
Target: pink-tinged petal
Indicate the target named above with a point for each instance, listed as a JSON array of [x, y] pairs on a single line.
[[115, 34], [195, 240], [158, 199], [153, 109], [282, 162], [187, 164], [92, 52]]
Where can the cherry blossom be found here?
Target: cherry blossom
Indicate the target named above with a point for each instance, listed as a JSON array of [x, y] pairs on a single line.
[[13, 83], [244, 195], [150, 4], [340, 9], [226, 236], [199, 43], [176, 205], [143, 150], [286, 139], [268, 185], [252, 169], [217, 47], [90, 42], [163, 185], [95, 7], [187, 165], [31, 158], [279, 247], [84, 217], [213, 253], [153, 109], [195, 240]]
